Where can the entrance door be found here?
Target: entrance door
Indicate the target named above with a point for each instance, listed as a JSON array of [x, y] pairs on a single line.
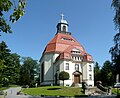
[[76, 78]]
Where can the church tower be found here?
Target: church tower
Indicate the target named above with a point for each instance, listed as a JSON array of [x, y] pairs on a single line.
[[62, 26], [65, 53]]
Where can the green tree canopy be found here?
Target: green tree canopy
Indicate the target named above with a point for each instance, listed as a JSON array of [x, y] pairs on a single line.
[[10, 64], [17, 7], [63, 76], [107, 74], [28, 71], [97, 73], [2, 67]]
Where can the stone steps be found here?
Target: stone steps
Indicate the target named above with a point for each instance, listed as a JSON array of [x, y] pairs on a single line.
[[95, 91], [76, 85]]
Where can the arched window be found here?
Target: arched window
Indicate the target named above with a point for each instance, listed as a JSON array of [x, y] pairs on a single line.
[[64, 28], [76, 67]]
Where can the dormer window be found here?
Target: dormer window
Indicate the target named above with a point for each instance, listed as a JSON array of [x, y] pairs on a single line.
[[75, 51], [67, 39]]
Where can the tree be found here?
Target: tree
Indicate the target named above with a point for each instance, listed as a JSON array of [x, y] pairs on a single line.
[[107, 74], [12, 72], [63, 76], [13, 69], [2, 66], [4, 53], [97, 73], [28, 71], [116, 6], [10, 64], [115, 50], [17, 7]]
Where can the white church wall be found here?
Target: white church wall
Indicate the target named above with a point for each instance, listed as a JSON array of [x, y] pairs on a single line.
[[66, 83], [70, 71], [88, 75], [84, 71], [55, 56], [48, 73], [57, 68], [72, 67], [41, 62], [56, 65], [61, 66]]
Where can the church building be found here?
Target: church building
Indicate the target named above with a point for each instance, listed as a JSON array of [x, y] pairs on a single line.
[[65, 53]]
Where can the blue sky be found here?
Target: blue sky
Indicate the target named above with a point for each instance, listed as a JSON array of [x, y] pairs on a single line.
[[90, 22]]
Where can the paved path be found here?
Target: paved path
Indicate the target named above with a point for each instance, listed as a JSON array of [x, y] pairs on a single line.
[[12, 93]]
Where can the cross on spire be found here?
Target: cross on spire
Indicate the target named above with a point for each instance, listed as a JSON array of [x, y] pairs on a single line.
[[62, 16]]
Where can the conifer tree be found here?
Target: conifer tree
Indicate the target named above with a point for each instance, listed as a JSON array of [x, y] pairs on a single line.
[[115, 50]]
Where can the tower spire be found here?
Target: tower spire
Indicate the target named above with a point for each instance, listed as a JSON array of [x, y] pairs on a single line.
[[62, 16]]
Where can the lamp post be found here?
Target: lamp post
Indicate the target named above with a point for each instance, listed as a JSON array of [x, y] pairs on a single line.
[[117, 81]]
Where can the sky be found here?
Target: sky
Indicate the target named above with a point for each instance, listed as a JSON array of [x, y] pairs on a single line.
[[90, 22]]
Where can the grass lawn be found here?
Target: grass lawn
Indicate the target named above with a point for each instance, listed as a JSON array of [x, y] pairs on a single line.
[[54, 91], [3, 88], [115, 91]]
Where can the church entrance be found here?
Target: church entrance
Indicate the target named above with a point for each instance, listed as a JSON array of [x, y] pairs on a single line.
[[77, 77]]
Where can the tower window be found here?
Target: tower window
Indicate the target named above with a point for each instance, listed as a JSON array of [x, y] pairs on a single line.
[[64, 28]]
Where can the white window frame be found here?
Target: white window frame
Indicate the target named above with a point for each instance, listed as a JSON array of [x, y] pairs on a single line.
[[90, 77], [90, 67], [77, 67], [67, 66]]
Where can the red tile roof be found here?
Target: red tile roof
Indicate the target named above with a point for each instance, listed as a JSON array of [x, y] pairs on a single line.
[[63, 44], [60, 44], [88, 57]]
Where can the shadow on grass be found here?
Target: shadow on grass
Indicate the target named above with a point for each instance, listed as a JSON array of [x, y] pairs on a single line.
[[53, 88], [77, 96]]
